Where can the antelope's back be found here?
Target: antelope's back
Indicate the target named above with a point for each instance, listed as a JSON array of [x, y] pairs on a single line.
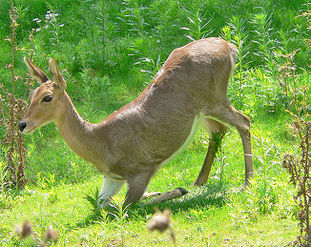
[[200, 70]]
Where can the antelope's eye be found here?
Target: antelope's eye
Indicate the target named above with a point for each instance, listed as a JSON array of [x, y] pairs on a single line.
[[47, 98]]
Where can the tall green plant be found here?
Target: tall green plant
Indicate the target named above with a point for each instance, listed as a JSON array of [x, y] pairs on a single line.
[[197, 27], [265, 44], [235, 33]]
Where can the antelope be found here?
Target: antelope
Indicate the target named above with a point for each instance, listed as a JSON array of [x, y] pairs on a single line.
[[131, 144]]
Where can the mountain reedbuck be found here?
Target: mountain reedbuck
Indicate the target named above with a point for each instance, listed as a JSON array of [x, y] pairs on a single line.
[[133, 142]]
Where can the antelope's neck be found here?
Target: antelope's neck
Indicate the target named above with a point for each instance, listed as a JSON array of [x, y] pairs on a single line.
[[77, 133]]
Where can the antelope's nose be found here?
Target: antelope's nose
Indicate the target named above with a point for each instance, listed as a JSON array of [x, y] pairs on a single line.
[[22, 125]]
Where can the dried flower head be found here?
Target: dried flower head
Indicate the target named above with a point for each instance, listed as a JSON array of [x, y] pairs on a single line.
[[51, 234], [24, 230], [160, 221]]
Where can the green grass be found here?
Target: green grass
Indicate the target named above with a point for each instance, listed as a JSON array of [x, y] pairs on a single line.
[[108, 52]]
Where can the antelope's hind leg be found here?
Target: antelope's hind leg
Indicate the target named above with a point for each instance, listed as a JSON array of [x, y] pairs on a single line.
[[217, 130], [235, 118]]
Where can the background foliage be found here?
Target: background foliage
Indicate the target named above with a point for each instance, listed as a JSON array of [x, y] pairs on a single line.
[[109, 51]]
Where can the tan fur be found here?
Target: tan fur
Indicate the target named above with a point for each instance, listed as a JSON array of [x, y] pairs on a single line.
[[131, 143]]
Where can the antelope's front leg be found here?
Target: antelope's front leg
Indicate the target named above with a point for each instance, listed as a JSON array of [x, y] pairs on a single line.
[[110, 187]]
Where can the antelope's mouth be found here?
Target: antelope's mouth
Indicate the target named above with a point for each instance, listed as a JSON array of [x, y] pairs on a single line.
[[28, 131]]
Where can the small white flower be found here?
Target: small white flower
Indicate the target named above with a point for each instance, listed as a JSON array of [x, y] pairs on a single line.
[[37, 20]]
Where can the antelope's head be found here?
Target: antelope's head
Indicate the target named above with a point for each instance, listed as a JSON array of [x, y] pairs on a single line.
[[46, 101]]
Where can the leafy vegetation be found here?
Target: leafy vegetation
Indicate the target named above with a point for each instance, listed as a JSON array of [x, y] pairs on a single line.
[[108, 52]]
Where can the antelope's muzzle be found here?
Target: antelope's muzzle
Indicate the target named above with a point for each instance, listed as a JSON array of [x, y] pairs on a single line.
[[22, 125]]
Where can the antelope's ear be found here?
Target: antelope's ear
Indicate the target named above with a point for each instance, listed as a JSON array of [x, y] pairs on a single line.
[[56, 74], [36, 72]]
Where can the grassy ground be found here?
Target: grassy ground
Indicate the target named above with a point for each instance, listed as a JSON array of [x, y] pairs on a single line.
[[108, 52]]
